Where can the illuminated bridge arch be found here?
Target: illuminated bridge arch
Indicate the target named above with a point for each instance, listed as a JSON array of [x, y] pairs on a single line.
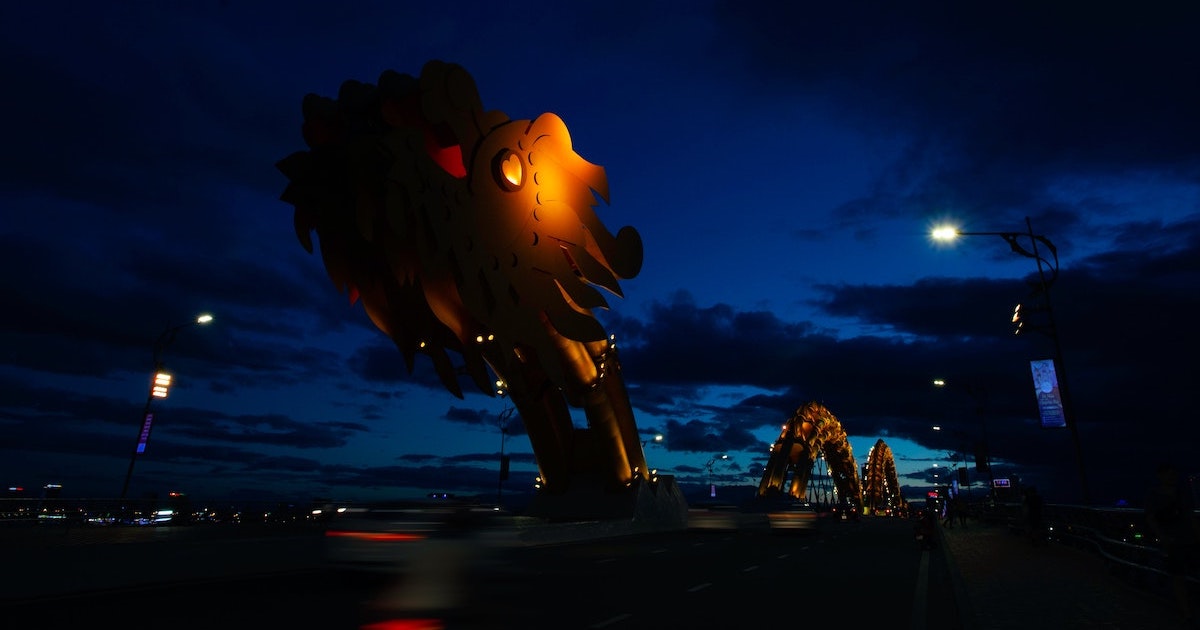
[[880, 485], [811, 432]]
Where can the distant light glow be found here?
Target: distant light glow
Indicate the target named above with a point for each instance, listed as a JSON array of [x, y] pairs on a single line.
[[375, 536], [944, 233], [406, 624]]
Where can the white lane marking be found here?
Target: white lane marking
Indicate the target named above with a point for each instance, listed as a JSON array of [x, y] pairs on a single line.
[[604, 560], [782, 556], [750, 568], [609, 622], [659, 551], [699, 587]]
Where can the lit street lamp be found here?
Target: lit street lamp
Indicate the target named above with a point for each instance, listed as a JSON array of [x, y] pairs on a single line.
[[1044, 266], [158, 389], [962, 475], [982, 459], [712, 489]]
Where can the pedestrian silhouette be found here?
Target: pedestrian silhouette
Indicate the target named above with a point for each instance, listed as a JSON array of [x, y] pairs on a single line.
[[1169, 511], [959, 507]]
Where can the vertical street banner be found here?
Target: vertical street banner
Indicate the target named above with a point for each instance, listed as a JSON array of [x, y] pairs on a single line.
[[1049, 400]]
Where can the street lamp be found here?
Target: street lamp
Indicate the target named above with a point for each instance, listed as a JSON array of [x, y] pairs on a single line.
[[712, 488], [982, 458], [158, 389], [1044, 266], [961, 475]]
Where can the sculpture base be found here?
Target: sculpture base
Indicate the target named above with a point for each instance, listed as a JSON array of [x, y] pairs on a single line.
[[643, 506]]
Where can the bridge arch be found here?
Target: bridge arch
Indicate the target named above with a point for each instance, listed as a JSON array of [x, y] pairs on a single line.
[[880, 484], [811, 432]]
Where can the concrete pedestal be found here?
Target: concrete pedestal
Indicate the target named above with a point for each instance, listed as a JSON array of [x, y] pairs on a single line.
[[643, 506]]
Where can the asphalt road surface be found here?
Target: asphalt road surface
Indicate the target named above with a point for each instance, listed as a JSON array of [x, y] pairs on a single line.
[[869, 573]]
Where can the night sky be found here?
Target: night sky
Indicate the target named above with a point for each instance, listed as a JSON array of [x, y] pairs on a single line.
[[783, 162]]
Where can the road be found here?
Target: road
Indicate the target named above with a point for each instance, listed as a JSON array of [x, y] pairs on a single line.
[[847, 575]]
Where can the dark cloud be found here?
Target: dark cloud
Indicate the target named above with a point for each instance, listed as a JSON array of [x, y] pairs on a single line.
[[999, 107], [1066, 82]]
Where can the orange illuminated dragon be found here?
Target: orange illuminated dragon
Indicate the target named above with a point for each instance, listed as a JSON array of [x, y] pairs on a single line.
[[463, 231], [813, 430]]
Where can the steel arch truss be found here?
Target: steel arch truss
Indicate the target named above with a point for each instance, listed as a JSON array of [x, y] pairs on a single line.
[[880, 485], [811, 432]]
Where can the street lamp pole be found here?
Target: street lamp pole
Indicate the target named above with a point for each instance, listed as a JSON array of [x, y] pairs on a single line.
[[1044, 266], [712, 489], [158, 389], [957, 456], [982, 458]]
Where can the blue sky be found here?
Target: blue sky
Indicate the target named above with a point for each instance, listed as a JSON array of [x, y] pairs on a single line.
[[783, 163]]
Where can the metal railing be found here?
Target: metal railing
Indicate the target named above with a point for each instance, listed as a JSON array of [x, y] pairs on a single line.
[[1118, 535]]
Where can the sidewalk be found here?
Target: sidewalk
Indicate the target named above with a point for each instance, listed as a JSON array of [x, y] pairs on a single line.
[[1002, 581]]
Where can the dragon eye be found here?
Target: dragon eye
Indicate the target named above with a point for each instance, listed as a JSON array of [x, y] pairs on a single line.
[[508, 169]]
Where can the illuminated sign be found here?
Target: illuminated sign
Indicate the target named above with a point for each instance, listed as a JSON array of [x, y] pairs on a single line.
[[1045, 386], [1000, 483]]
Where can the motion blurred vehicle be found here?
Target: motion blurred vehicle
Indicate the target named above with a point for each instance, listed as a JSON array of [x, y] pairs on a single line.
[[427, 555], [793, 516], [389, 537], [716, 517]]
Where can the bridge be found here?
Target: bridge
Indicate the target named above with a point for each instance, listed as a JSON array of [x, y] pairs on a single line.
[[812, 456], [1096, 566]]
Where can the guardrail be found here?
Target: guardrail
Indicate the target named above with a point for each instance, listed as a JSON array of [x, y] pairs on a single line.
[[1118, 535]]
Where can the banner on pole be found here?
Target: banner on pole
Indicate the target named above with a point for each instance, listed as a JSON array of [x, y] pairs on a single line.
[[1045, 386]]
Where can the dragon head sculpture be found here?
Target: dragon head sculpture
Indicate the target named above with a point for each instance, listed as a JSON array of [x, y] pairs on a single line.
[[458, 228], [464, 231]]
